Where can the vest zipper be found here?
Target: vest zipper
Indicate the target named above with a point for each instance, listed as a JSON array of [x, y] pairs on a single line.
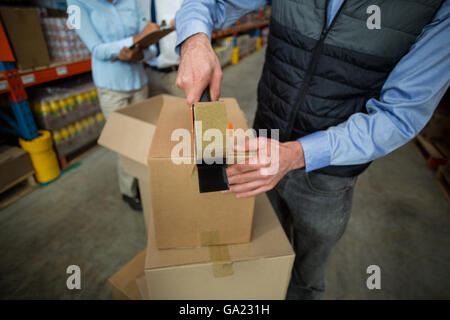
[[311, 69]]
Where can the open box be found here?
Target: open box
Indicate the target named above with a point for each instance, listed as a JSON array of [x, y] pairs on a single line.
[[142, 134]]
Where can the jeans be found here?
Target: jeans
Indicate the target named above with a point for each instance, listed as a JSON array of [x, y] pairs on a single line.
[[313, 209]]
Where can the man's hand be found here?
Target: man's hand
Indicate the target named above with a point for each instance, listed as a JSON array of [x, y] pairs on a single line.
[[127, 54], [199, 67], [149, 28], [262, 173]]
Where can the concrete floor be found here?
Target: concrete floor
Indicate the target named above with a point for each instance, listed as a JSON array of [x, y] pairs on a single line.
[[400, 222]]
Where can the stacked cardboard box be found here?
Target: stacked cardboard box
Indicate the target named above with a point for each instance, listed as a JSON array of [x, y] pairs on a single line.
[[200, 246], [25, 36]]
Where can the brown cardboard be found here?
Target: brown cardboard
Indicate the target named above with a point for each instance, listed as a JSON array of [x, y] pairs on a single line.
[[129, 132], [141, 134], [15, 164], [123, 282], [25, 36], [259, 270], [182, 214], [141, 284]]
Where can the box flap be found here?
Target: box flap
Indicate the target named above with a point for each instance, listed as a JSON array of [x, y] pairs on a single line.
[[123, 281], [176, 115], [268, 240], [129, 131]]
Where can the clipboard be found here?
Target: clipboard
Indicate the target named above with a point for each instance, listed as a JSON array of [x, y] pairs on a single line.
[[152, 38]]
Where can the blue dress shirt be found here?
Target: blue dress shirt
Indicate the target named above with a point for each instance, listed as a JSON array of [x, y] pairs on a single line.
[[105, 29], [407, 99]]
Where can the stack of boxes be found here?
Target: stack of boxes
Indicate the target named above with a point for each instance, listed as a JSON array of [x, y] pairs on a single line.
[[200, 245], [63, 43]]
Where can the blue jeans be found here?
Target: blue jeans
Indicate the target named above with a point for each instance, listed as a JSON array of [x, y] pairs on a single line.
[[313, 209]]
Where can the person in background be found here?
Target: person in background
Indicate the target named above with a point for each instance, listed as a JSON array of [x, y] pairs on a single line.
[[109, 28], [162, 70]]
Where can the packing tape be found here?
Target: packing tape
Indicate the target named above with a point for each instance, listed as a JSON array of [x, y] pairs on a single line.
[[222, 266]]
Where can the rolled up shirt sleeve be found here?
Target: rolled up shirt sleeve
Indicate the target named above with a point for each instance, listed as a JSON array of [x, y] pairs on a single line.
[[406, 103]]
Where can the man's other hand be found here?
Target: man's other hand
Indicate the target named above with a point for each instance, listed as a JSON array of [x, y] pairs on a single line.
[[199, 67], [273, 160]]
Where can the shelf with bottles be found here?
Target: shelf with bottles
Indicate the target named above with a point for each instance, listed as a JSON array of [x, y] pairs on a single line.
[[78, 134], [254, 20], [55, 108]]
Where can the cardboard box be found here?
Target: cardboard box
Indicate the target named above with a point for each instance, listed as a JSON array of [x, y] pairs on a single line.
[[260, 269], [141, 133], [124, 282], [15, 163], [25, 36]]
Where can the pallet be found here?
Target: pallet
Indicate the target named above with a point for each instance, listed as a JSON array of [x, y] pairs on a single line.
[[442, 179], [432, 156], [17, 189], [76, 156]]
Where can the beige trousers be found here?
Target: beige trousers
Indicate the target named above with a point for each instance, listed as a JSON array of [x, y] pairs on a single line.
[[110, 101]]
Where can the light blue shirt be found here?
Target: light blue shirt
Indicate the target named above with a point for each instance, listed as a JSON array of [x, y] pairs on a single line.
[[407, 100], [105, 29]]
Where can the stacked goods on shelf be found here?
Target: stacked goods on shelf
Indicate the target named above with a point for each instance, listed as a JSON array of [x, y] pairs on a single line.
[[72, 115], [25, 36], [63, 43], [243, 43], [224, 54]]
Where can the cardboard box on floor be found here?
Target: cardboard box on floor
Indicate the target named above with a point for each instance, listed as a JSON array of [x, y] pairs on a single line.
[[260, 269], [15, 164], [124, 282], [141, 134]]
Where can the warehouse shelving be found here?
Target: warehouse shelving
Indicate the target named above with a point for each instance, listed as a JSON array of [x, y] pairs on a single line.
[[14, 82], [240, 28]]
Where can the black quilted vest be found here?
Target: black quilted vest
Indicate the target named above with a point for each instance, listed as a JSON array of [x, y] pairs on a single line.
[[315, 77]]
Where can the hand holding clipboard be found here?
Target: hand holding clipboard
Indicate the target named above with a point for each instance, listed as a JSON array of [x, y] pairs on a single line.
[[146, 38]]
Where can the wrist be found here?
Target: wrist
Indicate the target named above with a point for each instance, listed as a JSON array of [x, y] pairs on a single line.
[[194, 41], [297, 155]]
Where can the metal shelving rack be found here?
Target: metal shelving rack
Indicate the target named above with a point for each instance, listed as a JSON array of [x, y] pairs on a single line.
[[233, 30], [14, 82]]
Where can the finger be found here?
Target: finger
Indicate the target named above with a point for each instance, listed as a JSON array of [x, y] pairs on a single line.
[[216, 84], [246, 177], [241, 168], [248, 186], [194, 92], [252, 144], [254, 192]]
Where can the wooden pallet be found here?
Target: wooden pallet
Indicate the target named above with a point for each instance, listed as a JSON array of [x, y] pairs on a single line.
[[442, 178], [76, 156], [17, 189], [432, 156]]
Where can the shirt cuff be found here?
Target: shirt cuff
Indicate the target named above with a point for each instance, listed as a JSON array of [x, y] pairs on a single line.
[[118, 45], [316, 150], [186, 30]]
